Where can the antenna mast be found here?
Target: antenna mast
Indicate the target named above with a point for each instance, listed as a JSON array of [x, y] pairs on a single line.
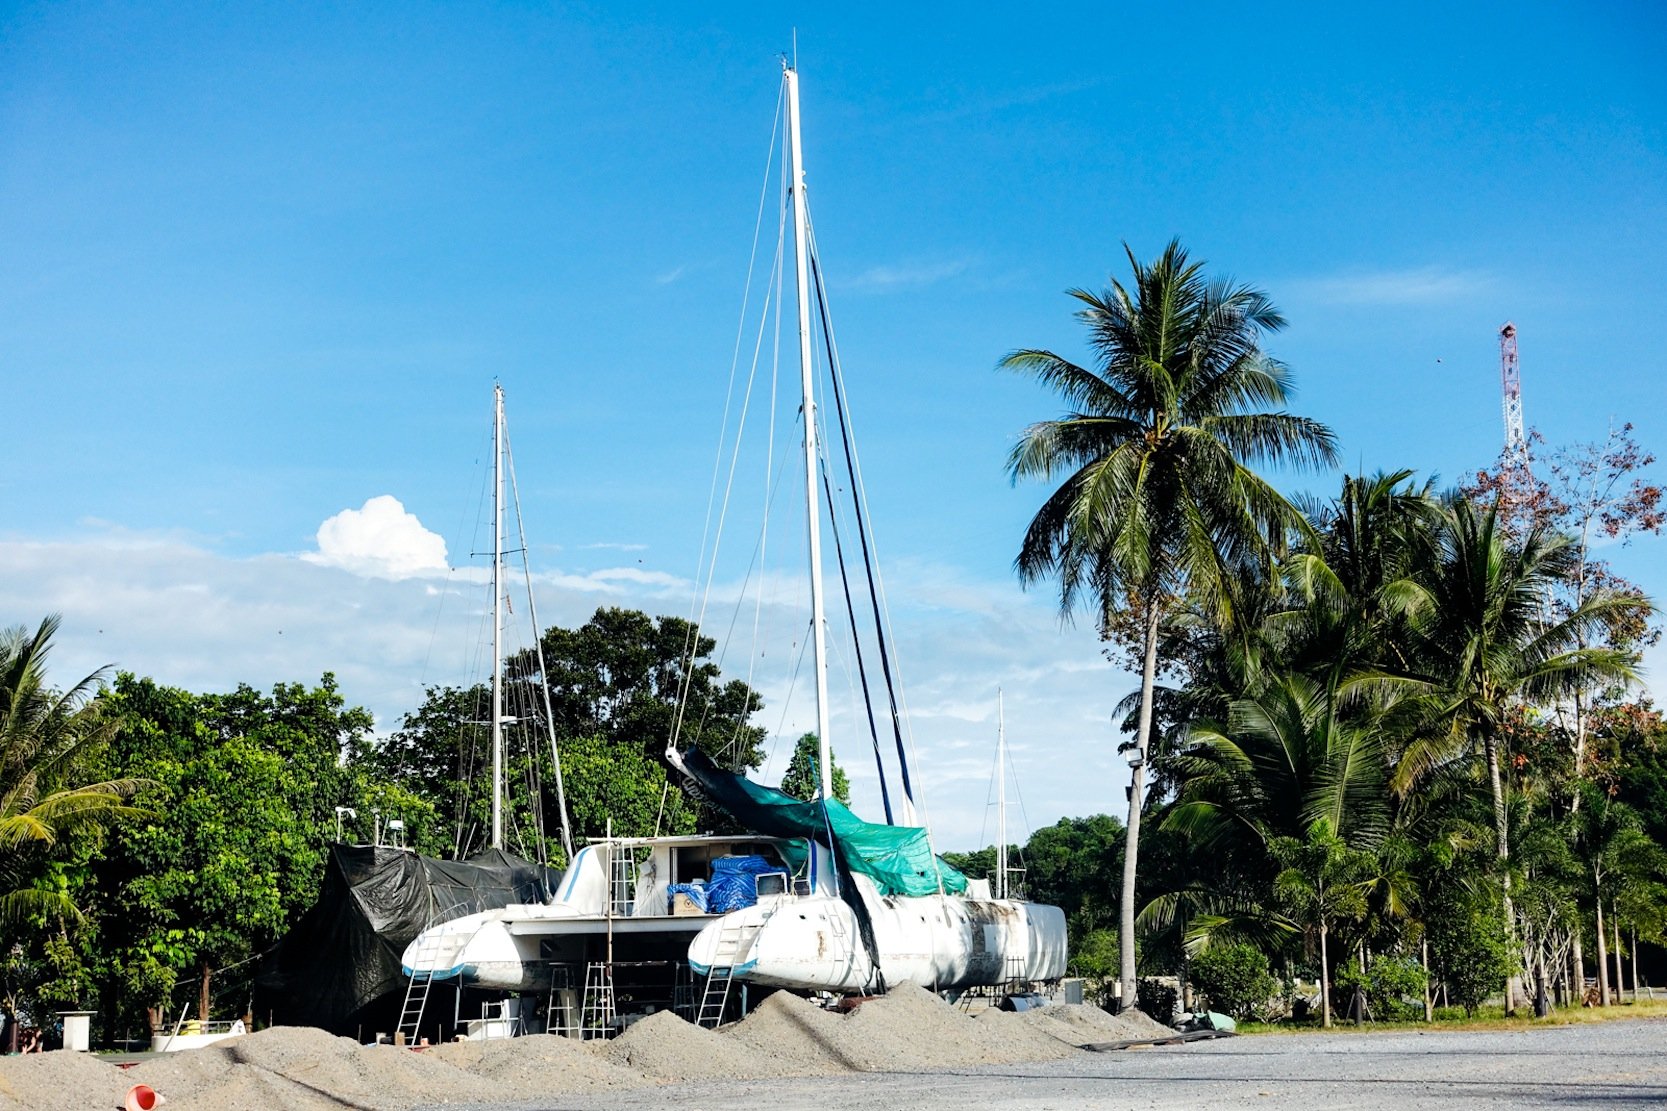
[[1510, 380]]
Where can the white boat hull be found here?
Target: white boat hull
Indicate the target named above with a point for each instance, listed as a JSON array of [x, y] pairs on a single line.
[[940, 942], [517, 948]]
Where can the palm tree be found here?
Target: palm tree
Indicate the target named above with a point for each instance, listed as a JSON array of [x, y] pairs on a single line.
[[1159, 498], [1489, 641], [1322, 881], [43, 733]]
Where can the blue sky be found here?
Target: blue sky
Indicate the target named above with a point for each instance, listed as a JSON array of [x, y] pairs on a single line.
[[260, 265]]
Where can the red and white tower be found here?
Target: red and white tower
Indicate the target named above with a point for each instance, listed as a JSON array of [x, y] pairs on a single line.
[[1510, 380]]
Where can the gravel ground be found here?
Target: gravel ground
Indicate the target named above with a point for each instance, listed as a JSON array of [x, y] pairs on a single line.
[[907, 1050], [1615, 1064]]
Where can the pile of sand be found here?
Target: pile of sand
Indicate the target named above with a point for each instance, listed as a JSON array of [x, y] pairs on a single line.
[[913, 1029], [537, 1065], [59, 1081], [910, 1029], [310, 1069], [302, 1069], [798, 1037], [666, 1048], [1079, 1024]]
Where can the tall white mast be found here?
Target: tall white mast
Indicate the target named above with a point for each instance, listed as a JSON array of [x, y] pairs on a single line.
[[801, 260], [1001, 798], [497, 617]]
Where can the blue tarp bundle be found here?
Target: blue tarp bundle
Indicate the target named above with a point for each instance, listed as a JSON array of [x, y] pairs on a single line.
[[695, 891], [735, 882]]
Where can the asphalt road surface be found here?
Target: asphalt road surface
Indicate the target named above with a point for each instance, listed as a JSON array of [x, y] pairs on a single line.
[[1598, 1065]]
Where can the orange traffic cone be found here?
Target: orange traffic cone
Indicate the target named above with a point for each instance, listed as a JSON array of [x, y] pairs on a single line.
[[142, 1097]]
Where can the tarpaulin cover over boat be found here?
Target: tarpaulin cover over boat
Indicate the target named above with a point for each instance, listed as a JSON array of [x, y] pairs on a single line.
[[898, 858], [339, 968]]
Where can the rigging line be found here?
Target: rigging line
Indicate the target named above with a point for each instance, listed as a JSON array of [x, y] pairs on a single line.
[[462, 797], [786, 704], [686, 680], [469, 731], [691, 636], [770, 476], [543, 671], [451, 573], [856, 642], [771, 488], [756, 565], [754, 653], [860, 497], [1019, 791], [862, 531], [989, 789]]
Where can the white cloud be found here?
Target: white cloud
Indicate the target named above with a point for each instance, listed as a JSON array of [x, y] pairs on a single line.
[[171, 608], [885, 279], [380, 540], [1414, 286]]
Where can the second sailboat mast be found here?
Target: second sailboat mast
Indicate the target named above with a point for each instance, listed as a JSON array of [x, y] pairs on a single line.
[[497, 617], [801, 262]]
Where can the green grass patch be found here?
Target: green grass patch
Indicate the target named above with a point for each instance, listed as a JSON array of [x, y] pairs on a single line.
[[1487, 1017]]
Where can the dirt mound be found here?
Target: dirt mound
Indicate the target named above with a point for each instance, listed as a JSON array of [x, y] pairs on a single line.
[[60, 1081], [911, 1028], [1081, 1024], [537, 1065], [310, 1069], [800, 1038], [1017, 1040], [666, 1047], [250, 1089]]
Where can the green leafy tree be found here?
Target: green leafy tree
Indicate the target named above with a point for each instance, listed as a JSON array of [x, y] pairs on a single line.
[[615, 686], [1393, 986], [1074, 864], [803, 780], [1159, 499], [1234, 979], [643, 680], [1468, 944], [244, 788]]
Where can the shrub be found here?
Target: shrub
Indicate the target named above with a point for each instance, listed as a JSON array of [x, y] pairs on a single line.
[[1157, 999], [1234, 979], [1394, 987], [1470, 951]]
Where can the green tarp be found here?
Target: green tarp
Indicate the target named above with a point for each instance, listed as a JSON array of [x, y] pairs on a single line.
[[897, 858]]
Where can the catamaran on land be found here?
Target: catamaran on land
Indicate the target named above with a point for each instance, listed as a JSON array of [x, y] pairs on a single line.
[[827, 902]]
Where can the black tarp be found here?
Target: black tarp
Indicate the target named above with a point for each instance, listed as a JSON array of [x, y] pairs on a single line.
[[340, 969]]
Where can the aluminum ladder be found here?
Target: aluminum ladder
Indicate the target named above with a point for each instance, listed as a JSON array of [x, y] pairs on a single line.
[[719, 977], [596, 1011], [416, 992]]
